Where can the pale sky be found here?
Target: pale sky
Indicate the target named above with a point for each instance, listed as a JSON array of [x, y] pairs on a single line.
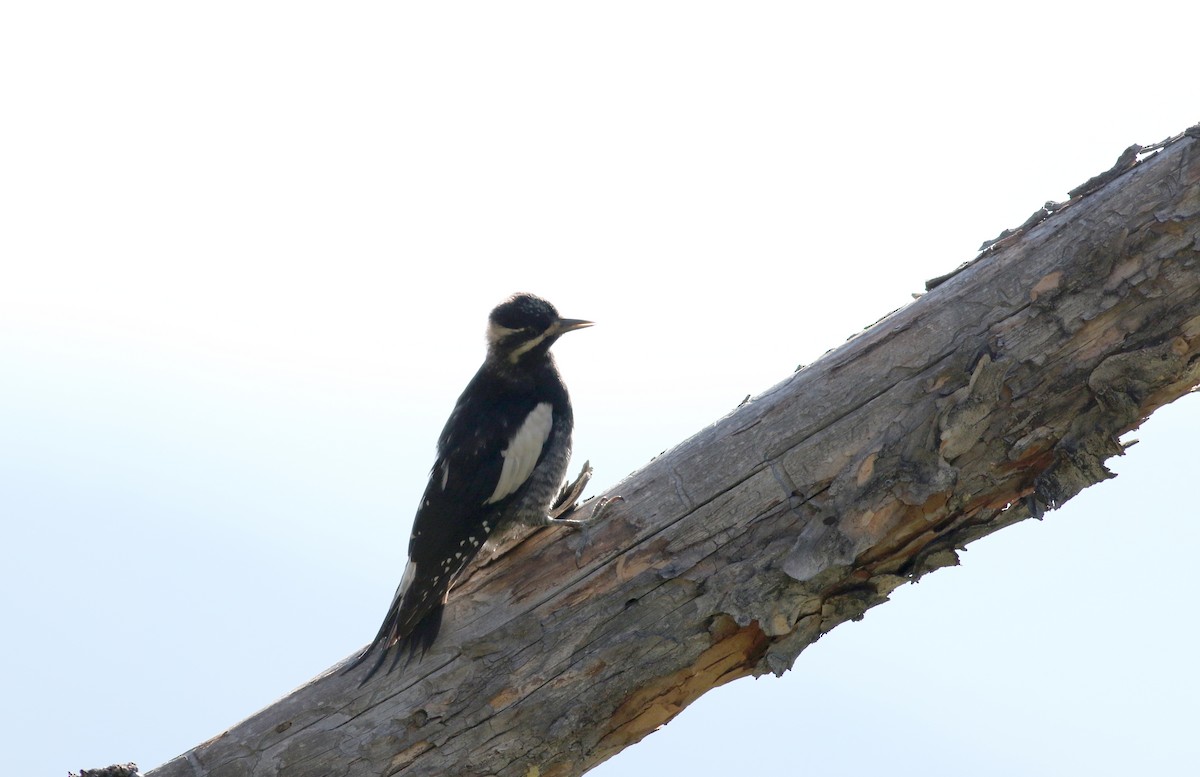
[[247, 254]]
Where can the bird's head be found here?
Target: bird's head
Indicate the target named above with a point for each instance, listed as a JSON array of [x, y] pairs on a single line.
[[523, 327]]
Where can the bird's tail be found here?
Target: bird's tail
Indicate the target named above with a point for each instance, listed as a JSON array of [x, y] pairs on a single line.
[[415, 644], [410, 627]]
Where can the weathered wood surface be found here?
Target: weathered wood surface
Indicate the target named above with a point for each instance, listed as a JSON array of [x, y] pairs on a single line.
[[999, 393]]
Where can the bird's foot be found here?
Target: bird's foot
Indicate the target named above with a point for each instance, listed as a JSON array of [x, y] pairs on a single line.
[[597, 513], [568, 500], [569, 496], [584, 525], [602, 507]]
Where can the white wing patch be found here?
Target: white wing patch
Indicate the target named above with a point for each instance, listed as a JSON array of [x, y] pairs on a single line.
[[523, 451]]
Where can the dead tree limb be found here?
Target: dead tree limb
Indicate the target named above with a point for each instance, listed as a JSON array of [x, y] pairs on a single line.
[[996, 396]]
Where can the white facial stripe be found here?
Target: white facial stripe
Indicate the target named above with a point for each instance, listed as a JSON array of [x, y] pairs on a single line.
[[526, 346], [495, 332], [523, 451]]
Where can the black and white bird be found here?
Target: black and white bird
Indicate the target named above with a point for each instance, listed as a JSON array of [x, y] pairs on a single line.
[[501, 460]]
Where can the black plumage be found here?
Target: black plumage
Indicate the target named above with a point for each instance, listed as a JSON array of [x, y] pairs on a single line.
[[501, 459]]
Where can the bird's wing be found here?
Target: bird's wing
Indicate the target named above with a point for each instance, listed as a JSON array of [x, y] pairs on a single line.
[[488, 450], [491, 444]]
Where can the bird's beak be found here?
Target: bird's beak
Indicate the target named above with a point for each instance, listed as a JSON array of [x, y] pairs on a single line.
[[564, 325]]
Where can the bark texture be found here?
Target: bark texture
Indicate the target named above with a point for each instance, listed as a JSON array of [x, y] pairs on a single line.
[[995, 396]]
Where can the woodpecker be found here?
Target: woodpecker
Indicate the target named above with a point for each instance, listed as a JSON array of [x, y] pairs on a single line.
[[501, 461]]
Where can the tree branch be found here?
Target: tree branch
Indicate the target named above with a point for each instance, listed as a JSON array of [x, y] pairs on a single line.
[[995, 396]]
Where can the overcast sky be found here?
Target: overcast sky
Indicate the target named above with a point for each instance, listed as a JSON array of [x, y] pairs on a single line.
[[248, 250]]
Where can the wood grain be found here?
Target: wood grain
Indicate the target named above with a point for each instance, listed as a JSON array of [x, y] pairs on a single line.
[[996, 396]]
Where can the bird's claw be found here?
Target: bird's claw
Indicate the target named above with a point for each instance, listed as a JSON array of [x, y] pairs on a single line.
[[602, 507], [597, 513]]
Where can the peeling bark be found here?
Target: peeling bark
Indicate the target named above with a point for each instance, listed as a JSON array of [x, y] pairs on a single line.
[[995, 397]]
